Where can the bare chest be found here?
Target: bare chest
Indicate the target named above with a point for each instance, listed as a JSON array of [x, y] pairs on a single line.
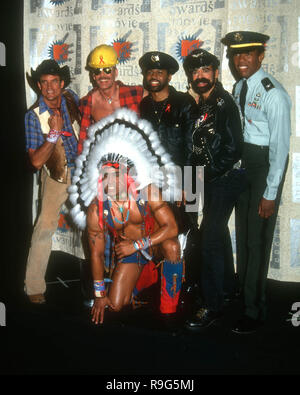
[[127, 219], [102, 107]]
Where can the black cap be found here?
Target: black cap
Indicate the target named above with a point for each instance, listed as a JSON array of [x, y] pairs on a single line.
[[244, 40], [199, 58], [50, 66], [158, 60]]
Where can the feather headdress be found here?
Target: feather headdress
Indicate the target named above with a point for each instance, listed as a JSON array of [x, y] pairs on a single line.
[[121, 136]]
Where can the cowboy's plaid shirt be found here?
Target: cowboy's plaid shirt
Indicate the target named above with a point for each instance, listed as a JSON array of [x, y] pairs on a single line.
[[130, 97]]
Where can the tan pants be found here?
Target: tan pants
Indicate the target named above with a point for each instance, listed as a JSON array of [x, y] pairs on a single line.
[[53, 195]]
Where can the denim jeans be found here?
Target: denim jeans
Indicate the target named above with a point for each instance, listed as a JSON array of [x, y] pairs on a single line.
[[220, 197]]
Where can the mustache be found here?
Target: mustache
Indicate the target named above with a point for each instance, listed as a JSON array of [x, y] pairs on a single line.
[[199, 80], [153, 80], [102, 78]]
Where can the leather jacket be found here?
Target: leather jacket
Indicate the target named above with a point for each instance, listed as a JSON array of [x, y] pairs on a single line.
[[218, 136], [174, 123]]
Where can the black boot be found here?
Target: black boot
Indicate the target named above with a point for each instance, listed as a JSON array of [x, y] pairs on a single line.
[[203, 318]]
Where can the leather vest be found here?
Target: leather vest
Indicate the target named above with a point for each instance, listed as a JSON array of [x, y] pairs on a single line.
[[56, 166]]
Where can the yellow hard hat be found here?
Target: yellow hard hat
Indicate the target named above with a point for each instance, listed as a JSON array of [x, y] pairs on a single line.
[[102, 56]]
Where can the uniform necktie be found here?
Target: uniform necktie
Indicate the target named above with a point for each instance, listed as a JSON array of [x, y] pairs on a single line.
[[243, 96]]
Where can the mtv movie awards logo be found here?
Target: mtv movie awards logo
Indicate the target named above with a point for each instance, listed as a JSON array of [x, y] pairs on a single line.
[[62, 223], [187, 44], [2, 54], [124, 48], [59, 50], [2, 314], [58, 2]]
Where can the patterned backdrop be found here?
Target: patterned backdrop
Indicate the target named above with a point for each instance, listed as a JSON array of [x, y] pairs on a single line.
[[67, 30]]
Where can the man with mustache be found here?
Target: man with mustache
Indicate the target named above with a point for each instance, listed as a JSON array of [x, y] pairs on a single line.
[[124, 197], [171, 113], [217, 145], [108, 93], [266, 107]]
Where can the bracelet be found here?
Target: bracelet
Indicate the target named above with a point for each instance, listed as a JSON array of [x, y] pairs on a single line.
[[142, 244], [99, 287], [53, 136], [100, 294]]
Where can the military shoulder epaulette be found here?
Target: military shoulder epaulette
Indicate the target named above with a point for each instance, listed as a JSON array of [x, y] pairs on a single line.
[[267, 84]]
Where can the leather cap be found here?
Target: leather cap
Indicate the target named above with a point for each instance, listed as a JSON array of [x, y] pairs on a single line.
[[158, 60]]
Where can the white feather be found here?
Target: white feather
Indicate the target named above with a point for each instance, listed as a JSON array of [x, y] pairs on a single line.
[[73, 197], [72, 189], [119, 140]]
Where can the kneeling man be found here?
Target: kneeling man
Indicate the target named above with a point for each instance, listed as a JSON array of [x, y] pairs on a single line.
[[121, 174]]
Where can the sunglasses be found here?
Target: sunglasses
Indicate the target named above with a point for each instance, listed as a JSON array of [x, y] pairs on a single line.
[[107, 70]]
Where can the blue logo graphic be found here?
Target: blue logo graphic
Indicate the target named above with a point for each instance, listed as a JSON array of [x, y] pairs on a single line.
[[58, 2]]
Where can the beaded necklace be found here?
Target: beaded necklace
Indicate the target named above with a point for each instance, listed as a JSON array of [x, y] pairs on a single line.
[[121, 209]]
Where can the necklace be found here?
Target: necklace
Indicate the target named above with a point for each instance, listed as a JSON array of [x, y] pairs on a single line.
[[108, 99], [121, 210], [158, 107]]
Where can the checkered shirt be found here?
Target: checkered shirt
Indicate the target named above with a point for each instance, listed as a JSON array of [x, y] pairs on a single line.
[[129, 96], [34, 135]]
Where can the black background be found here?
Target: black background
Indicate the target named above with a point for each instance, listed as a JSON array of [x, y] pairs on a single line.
[[61, 338], [16, 177]]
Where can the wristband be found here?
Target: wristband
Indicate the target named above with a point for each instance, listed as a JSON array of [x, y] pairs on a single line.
[[142, 244], [53, 136], [99, 287]]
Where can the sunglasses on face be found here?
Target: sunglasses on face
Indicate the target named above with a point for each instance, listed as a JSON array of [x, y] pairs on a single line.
[[107, 70]]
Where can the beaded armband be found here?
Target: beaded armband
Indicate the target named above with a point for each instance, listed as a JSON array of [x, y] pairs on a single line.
[[142, 244], [99, 287]]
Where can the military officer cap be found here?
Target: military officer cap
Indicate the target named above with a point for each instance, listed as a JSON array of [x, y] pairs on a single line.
[[199, 58], [158, 60], [244, 40]]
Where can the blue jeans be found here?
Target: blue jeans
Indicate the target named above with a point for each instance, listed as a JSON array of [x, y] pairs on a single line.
[[220, 197]]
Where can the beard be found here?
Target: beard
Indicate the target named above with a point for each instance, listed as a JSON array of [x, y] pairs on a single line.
[[202, 89], [157, 88]]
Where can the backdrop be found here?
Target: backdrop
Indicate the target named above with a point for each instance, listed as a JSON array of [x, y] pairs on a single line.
[[67, 30]]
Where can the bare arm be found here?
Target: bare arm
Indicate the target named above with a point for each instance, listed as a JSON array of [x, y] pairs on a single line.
[[38, 157], [165, 218], [96, 240]]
